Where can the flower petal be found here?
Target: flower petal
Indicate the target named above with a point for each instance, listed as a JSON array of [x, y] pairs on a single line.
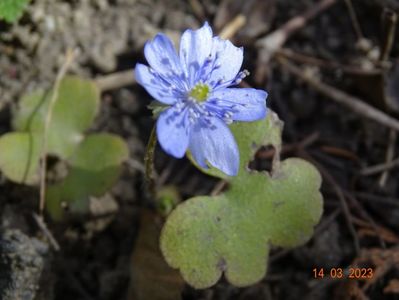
[[229, 60], [173, 132], [195, 47], [161, 55], [153, 85], [216, 145], [249, 104]]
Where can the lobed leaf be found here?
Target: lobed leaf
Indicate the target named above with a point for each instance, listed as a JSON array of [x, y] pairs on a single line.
[[74, 112], [231, 233]]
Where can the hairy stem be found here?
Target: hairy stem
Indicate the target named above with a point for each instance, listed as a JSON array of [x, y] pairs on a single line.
[[149, 160]]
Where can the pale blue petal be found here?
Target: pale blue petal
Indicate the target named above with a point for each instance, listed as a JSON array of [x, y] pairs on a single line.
[[215, 145], [249, 104], [153, 85], [195, 48], [161, 55], [173, 132], [229, 60]]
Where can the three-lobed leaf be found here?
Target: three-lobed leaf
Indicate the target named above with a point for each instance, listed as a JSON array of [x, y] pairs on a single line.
[[73, 113], [232, 232], [94, 160]]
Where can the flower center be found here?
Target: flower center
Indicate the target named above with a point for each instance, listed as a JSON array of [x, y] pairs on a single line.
[[200, 92]]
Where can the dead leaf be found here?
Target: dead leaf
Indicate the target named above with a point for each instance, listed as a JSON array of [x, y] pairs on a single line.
[[152, 278]]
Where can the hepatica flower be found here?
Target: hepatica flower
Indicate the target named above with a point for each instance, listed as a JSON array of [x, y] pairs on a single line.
[[196, 84]]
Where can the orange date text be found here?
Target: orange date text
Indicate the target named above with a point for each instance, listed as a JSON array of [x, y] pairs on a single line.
[[341, 273]]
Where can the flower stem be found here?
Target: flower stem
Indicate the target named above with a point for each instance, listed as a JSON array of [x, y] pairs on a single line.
[[149, 160]]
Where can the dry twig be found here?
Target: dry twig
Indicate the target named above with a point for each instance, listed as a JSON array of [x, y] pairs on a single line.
[[115, 80], [341, 197], [43, 227], [70, 55], [380, 168], [355, 104], [327, 64], [378, 199], [362, 211], [275, 40], [390, 21], [388, 156], [233, 27], [355, 22]]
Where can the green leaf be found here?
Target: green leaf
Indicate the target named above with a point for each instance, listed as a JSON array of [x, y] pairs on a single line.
[[167, 198], [74, 111], [11, 10], [249, 137], [19, 156], [157, 108], [233, 232], [95, 166]]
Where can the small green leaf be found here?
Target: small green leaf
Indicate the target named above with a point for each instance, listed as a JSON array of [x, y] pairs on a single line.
[[74, 112], [11, 10], [167, 198], [95, 166], [233, 232], [157, 108], [19, 156]]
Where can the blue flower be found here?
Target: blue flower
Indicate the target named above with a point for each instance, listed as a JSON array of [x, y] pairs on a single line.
[[196, 86]]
